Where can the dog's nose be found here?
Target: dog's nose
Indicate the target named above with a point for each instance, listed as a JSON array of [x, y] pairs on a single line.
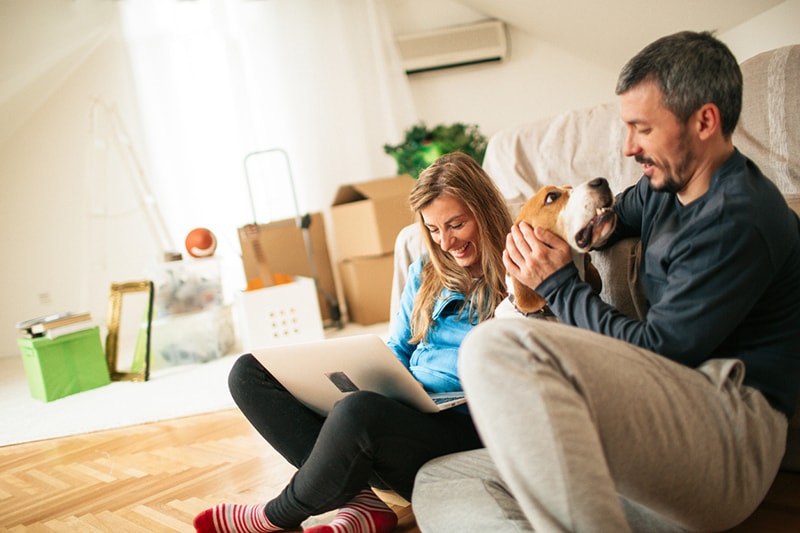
[[598, 183]]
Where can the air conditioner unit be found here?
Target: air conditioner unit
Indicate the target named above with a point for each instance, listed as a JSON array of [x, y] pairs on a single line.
[[453, 46]]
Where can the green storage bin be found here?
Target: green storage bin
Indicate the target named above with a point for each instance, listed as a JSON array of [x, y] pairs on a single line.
[[65, 365]]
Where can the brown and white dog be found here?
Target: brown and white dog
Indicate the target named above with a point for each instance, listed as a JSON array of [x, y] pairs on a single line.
[[583, 216]]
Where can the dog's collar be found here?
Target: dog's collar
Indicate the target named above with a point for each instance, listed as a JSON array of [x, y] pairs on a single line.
[[544, 312]]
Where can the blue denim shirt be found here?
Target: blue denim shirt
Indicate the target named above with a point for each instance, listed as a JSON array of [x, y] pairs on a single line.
[[433, 361]]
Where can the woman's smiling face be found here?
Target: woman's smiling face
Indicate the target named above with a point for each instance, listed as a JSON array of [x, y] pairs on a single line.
[[453, 227]]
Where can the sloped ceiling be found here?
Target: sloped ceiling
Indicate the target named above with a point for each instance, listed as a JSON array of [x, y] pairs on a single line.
[[609, 32], [41, 43]]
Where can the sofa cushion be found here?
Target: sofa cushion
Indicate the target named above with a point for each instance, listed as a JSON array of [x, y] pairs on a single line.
[[769, 127], [566, 149], [577, 145]]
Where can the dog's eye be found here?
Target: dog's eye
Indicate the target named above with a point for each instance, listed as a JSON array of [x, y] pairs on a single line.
[[551, 197]]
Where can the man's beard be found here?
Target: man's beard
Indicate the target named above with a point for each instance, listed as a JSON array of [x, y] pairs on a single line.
[[673, 182]]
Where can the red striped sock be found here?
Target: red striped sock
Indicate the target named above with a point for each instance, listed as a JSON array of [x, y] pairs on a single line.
[[366, 513], [231, 518]]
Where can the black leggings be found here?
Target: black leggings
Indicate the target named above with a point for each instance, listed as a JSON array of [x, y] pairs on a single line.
[[366, 439]]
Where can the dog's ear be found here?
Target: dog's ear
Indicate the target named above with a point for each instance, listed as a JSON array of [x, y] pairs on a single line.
[[526, 299], [591, 275]]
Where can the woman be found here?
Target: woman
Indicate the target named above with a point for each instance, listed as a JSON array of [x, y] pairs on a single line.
[[368, 439]]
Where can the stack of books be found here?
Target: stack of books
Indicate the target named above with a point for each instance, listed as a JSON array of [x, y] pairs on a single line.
[[54, 326]]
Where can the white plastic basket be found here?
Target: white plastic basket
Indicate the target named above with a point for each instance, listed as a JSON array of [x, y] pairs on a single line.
[[278, 315]]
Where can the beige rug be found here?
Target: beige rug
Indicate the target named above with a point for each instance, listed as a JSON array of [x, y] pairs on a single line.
[[170, 393]]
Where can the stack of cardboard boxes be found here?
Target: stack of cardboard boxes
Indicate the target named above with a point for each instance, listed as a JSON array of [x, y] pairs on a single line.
[[366, 219]]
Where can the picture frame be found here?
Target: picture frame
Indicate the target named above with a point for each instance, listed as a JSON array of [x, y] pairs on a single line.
[[129, 328]]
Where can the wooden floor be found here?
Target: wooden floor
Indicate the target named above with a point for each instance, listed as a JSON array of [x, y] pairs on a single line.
[[144, 479], [156, 477]]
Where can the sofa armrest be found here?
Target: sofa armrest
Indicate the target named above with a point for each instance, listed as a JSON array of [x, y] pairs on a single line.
[[408, 246], [618, 266]]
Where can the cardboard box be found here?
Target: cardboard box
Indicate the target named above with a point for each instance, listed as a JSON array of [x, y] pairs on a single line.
[[368, 216], [284, 247], [65, 365], [281, 314], [191, 338], [367, 285]]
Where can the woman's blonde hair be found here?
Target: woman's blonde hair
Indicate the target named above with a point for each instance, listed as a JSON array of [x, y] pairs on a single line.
[[459, 176]]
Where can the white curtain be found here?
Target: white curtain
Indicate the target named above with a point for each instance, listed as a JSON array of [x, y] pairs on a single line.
[[218, 79]]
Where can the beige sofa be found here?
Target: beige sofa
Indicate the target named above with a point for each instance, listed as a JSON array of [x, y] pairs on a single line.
[[578, 145]]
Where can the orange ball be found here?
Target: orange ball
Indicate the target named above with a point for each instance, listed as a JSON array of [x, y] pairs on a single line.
[[201, 242]]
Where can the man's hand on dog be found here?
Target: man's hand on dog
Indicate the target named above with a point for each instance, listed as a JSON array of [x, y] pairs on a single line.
[[532, 255]]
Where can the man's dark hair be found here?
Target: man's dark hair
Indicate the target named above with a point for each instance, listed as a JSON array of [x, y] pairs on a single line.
[[691, 69]]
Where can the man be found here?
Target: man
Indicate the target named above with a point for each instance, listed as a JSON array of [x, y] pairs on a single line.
[[676, 422]]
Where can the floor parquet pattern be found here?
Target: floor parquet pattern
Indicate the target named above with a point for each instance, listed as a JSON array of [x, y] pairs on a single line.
[[156, 477], [143, 479]]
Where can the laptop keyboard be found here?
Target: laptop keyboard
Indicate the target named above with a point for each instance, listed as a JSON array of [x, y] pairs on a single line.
[[444, 397]]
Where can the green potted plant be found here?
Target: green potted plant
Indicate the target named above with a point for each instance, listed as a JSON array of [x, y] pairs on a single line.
[[423, 146]]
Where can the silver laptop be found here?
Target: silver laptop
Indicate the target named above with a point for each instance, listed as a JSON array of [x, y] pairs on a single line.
[[319, 373]]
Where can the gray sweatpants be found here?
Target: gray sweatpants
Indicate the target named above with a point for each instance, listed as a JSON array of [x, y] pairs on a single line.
[[590, 434]]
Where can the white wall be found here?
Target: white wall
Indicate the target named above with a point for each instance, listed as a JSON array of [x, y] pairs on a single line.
[[539, 80], [56, 184], [780, 26], [535, 80], [63, 200]]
